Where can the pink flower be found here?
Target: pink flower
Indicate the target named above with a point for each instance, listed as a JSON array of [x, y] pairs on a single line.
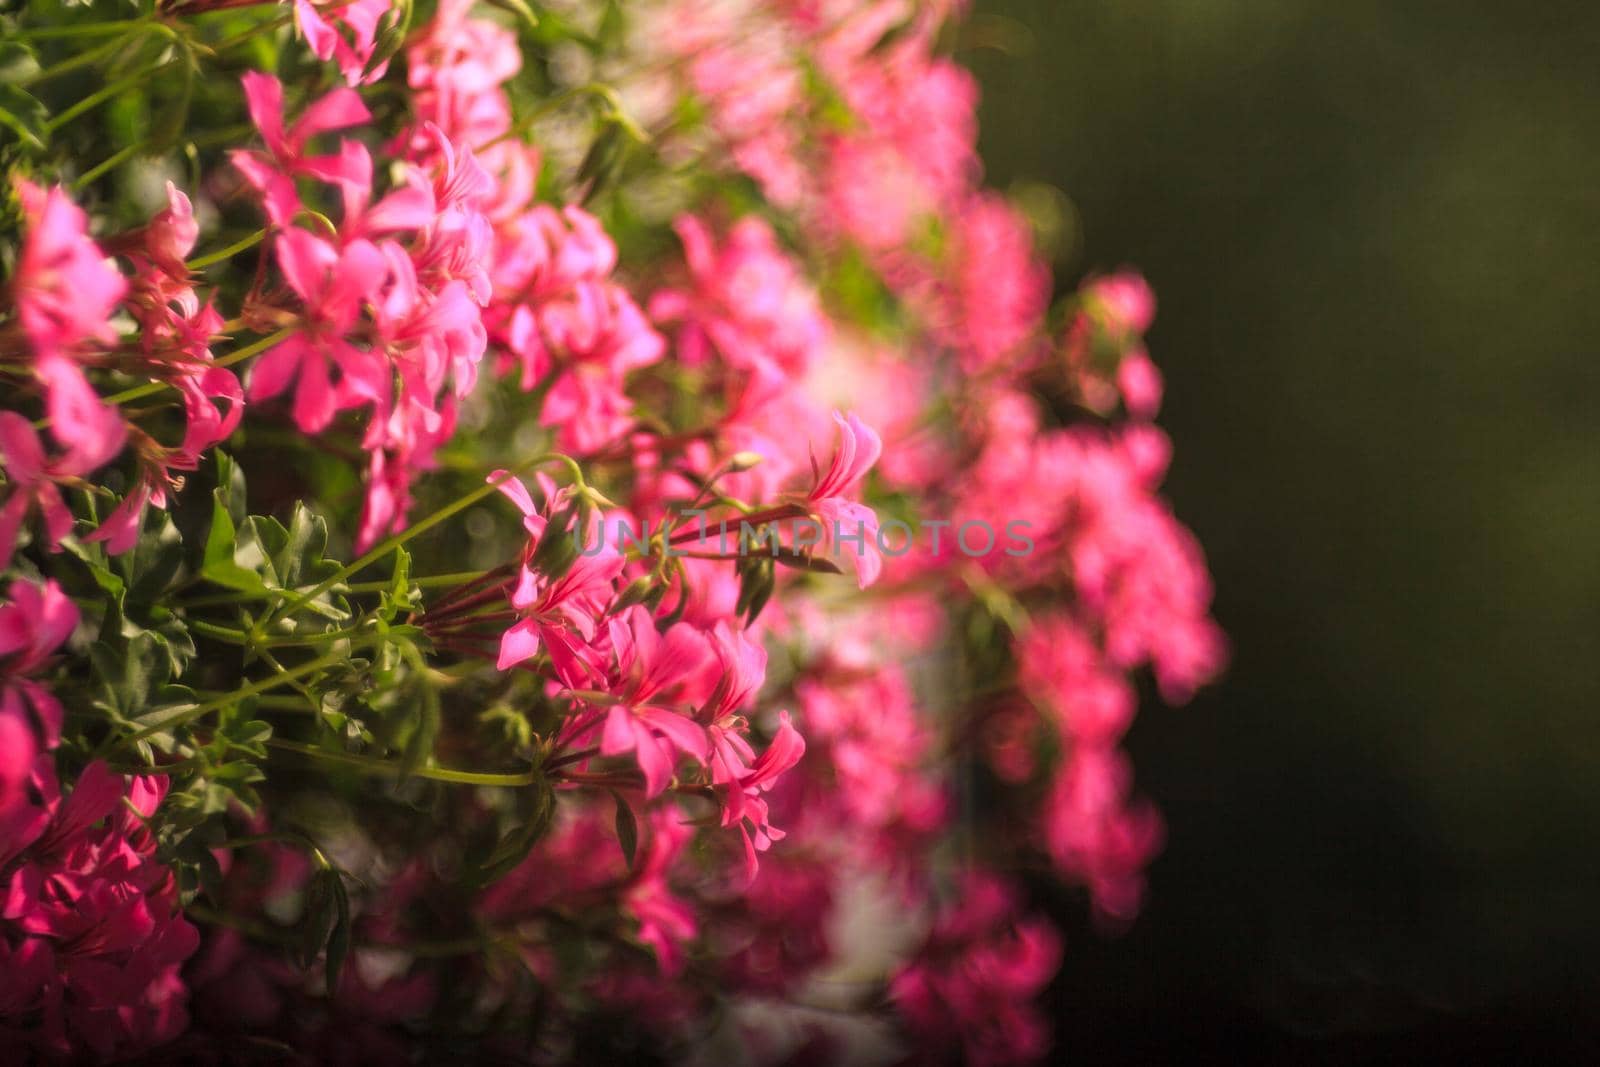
[[665, 920], [410, 207], [456, 66], [752, 87], [1104, 345], [745, 806], [1123, 302], [648, 667], [845, 520], [740, 774], [976, 979], [33, 477], [64, 287], [559, 615], [995, 297], [272, 174], [333, 284], [31, 485], [1062, 670], [170, 236], [1096, 836], [749, 302], [597, 335], [34, 622], [354, 49], [1140, 383], [85, 894]]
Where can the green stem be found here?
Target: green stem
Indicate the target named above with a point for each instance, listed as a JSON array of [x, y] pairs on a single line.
[[100, 96], [88, 176], [90, 29], [239, 637], [202, 262], [429, 581], [282, 837], [139, 392], [374, 765], [121, 85], [274, 701], [189, 715], [82, 59], [252, 33]]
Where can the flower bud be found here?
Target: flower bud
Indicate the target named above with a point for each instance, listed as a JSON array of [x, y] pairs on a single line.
[[636, 592]]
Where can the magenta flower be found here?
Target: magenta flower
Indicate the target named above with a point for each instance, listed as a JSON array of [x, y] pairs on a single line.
[[648, 667], [845, 521], [665, 920], [559, 616], [334, 284], [1096, 835], [90, 922], [749, 302], [64, 287], [746, 807], [31, 484], [170, 236], [34, 622], [740, 775], [974, 984], [352, 49], [995, 299], [33, 477], [272, 174], [1114, 312]]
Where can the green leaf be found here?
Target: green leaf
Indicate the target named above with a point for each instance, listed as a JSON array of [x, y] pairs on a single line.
[[339, 937], [519, 8], [538, 802], [401, 598], [17, 61], [392, 36], [219, 564], [176, 118], [23, 114], [424, 731], [149, 568], [129, 664], [299, 562], [602, 163], [319, 917], [627, 828], [801, 561], [93, 557]]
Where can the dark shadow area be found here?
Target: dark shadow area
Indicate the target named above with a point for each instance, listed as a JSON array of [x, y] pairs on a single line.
[[1374, 230]]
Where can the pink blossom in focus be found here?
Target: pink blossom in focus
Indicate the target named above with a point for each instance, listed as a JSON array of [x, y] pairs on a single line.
[[333, 283]]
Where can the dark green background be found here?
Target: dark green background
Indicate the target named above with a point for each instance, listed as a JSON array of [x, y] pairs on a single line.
[[1374, 231]]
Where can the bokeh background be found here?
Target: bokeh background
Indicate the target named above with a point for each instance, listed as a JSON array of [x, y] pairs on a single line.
[[1374, 231]]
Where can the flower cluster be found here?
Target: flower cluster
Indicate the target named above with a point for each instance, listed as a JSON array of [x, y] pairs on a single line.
[[92, 936], [455, 511]]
